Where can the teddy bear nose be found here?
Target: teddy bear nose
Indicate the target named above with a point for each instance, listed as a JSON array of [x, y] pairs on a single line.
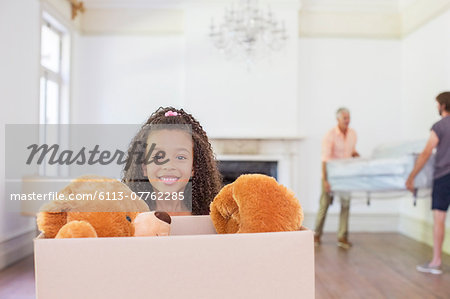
[[163, 216]]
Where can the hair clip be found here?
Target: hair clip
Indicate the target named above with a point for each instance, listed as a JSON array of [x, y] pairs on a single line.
[[170, 113]]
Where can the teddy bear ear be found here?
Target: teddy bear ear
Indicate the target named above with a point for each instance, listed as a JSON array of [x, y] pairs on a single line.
[[152, 224], [225, 212], [49, 223], [163, 216]]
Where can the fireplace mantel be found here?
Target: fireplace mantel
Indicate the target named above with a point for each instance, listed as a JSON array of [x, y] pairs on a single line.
[[255, 146], [283, 150]]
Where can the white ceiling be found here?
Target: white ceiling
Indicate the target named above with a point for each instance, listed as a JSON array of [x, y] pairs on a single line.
[[134, 3], [383, 6], [335, 18], [379, 6]]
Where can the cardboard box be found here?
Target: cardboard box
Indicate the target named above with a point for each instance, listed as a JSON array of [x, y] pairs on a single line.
[[194, 262]]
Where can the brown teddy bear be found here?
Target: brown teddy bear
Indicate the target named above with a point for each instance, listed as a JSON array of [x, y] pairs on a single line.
[[98, 215], [255, 203]]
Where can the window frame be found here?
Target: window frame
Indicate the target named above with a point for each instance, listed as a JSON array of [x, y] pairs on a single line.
[[58, 25]]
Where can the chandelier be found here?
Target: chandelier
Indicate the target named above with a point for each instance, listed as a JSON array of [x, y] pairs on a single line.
[[248, 32]]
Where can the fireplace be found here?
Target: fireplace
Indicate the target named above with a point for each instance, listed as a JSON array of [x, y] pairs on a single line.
[[232, 169], [275, 157]]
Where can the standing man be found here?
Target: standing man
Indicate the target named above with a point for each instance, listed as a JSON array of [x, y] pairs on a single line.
[[439, 139], [338, 143]]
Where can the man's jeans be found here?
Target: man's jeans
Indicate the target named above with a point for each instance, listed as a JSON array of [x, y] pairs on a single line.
[[325, 201]]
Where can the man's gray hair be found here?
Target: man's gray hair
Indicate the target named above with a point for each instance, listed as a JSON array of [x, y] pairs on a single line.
[[342, 110]]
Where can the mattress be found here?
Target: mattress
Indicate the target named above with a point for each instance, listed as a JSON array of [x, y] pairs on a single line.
[[387, 170]]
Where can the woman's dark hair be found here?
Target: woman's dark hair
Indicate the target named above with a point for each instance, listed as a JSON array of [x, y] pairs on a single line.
[[206, 181], [444, 99]]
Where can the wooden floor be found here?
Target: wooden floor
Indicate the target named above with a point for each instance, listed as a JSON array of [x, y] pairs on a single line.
[[379, 265], [17, 281]]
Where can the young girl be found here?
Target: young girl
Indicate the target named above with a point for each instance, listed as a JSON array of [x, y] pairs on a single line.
[[179, 164]]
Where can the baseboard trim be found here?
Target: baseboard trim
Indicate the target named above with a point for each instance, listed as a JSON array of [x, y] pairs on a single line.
[[16, 248], [385, 222], [422, 231]]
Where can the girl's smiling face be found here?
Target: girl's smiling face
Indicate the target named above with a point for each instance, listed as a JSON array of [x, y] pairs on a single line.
[[173, 175]]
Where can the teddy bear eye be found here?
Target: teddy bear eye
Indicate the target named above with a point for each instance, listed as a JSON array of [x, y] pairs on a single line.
[[128, 218]]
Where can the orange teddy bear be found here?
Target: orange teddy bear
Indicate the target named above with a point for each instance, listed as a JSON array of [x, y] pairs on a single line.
[[98, 217], [255, 203]]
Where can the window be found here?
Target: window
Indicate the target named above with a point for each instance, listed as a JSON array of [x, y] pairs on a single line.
[[54, 86]]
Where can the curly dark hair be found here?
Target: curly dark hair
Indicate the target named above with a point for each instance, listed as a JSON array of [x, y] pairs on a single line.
[[206, 181]]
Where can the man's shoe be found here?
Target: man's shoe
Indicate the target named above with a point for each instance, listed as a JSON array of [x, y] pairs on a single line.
[[316, 241], [344, 243], [426, 268]]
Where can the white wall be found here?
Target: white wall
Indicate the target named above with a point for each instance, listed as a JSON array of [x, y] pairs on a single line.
[[425, 73], [19, 90], [361, 74], [124, 78], [228, 99], [121, 79], [20, 23], [19, 96]]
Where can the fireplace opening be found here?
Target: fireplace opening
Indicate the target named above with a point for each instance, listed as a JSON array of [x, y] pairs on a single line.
[[232, 169]]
